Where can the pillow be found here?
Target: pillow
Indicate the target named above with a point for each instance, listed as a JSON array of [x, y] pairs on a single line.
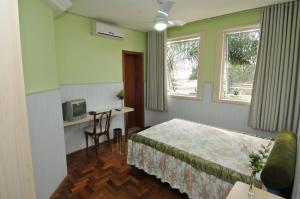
[[279, 170]]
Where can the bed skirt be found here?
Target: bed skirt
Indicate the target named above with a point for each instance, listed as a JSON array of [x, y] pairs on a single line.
[[180, 175]]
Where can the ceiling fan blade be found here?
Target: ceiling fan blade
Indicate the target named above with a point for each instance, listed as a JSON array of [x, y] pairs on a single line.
[[165, 6], [175, 23]]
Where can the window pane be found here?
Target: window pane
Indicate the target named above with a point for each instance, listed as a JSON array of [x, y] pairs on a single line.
[[182, 66], [239, 64]]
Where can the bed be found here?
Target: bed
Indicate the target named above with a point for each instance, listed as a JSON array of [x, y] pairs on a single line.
[[199, 160]]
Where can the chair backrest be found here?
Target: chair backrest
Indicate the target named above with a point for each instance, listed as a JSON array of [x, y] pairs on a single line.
[[103, 120]]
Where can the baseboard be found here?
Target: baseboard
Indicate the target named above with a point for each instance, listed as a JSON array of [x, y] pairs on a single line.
[[60, 184]]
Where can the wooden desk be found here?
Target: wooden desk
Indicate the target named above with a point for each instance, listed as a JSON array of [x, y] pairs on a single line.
[[240, 191], [90, 118]]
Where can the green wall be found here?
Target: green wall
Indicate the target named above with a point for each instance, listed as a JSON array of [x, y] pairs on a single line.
[[38, 45], [86, 58], [210, 27], [63, 50]]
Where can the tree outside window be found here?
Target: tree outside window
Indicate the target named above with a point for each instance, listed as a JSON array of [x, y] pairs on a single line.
[[240, 55], [182, 66]]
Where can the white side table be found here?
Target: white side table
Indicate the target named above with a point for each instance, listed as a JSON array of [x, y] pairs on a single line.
[[240, 191]]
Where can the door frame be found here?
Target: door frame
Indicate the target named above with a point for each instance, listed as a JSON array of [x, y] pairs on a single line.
[[141, 63], [19, 181]]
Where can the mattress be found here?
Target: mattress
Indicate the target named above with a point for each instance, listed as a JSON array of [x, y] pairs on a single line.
[[200, 160]]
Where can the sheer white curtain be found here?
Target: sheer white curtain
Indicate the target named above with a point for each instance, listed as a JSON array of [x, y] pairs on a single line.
[[156, 92], [275, 103]]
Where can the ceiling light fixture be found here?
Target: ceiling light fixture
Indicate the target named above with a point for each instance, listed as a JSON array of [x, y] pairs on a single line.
[[160, 24], [161, 21]]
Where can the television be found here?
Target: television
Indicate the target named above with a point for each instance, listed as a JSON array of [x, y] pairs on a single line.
[[74, 109]]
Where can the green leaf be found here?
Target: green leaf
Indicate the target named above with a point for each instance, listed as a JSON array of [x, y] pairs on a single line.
[[120, 94]]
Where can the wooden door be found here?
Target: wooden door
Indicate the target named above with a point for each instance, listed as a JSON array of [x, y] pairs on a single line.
[[133, 76], [16, 171]]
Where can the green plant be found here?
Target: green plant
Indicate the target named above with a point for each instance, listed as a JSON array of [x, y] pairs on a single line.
[[194, 74], [120, 94], [243, 47], [257, 162], [258, 159]]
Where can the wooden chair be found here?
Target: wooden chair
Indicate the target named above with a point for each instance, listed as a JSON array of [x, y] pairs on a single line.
[[100, 127]]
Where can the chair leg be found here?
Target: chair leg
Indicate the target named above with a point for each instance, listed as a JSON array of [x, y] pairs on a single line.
[[96, 140], [87, 143], [108, 139]]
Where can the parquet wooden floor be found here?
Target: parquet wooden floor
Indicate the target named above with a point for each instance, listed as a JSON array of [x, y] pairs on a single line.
[[109, 177]]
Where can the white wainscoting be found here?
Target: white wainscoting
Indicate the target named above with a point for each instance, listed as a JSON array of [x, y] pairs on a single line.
[[50, 141], [98, 97], [47, 141], [224, 115]]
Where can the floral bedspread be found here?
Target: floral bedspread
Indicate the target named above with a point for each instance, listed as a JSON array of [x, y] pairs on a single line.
[[197, 159]]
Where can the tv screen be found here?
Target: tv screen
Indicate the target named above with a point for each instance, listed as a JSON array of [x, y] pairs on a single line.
[[79, 109]]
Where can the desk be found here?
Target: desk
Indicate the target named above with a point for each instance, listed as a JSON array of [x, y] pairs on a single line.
[[89, 118]]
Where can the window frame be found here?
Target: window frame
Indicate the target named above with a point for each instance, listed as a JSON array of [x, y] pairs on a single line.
[[201, 36], [219, 69]]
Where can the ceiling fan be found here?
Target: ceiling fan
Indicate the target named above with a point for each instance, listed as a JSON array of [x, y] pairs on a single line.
[[161, 21]]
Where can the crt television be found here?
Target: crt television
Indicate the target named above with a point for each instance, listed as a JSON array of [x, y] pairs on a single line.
[[74, 109]]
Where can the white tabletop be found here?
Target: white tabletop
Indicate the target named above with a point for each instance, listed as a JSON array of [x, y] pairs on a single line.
[[240, 191], [90, 117]]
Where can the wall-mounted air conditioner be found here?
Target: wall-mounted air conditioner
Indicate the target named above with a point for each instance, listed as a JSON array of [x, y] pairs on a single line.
[[59, 6], [103, 29]]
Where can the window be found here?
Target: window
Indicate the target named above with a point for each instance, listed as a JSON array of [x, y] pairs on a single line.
[[239, 55], [182, 64]]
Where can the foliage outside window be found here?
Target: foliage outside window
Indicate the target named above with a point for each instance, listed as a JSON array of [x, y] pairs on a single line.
[[182, 66], [239, 61]]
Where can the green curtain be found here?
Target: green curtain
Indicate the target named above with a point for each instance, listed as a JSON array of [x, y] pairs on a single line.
[[156, 91], [296, 188], [275, 103]]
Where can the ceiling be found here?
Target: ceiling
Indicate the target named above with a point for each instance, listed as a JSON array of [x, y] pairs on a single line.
[[139, 14]]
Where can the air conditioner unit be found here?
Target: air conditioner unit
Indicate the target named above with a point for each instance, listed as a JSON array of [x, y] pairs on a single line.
[[103, 29], [59, 6]]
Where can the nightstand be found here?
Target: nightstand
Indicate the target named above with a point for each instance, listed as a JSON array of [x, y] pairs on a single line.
[[240, 191]]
